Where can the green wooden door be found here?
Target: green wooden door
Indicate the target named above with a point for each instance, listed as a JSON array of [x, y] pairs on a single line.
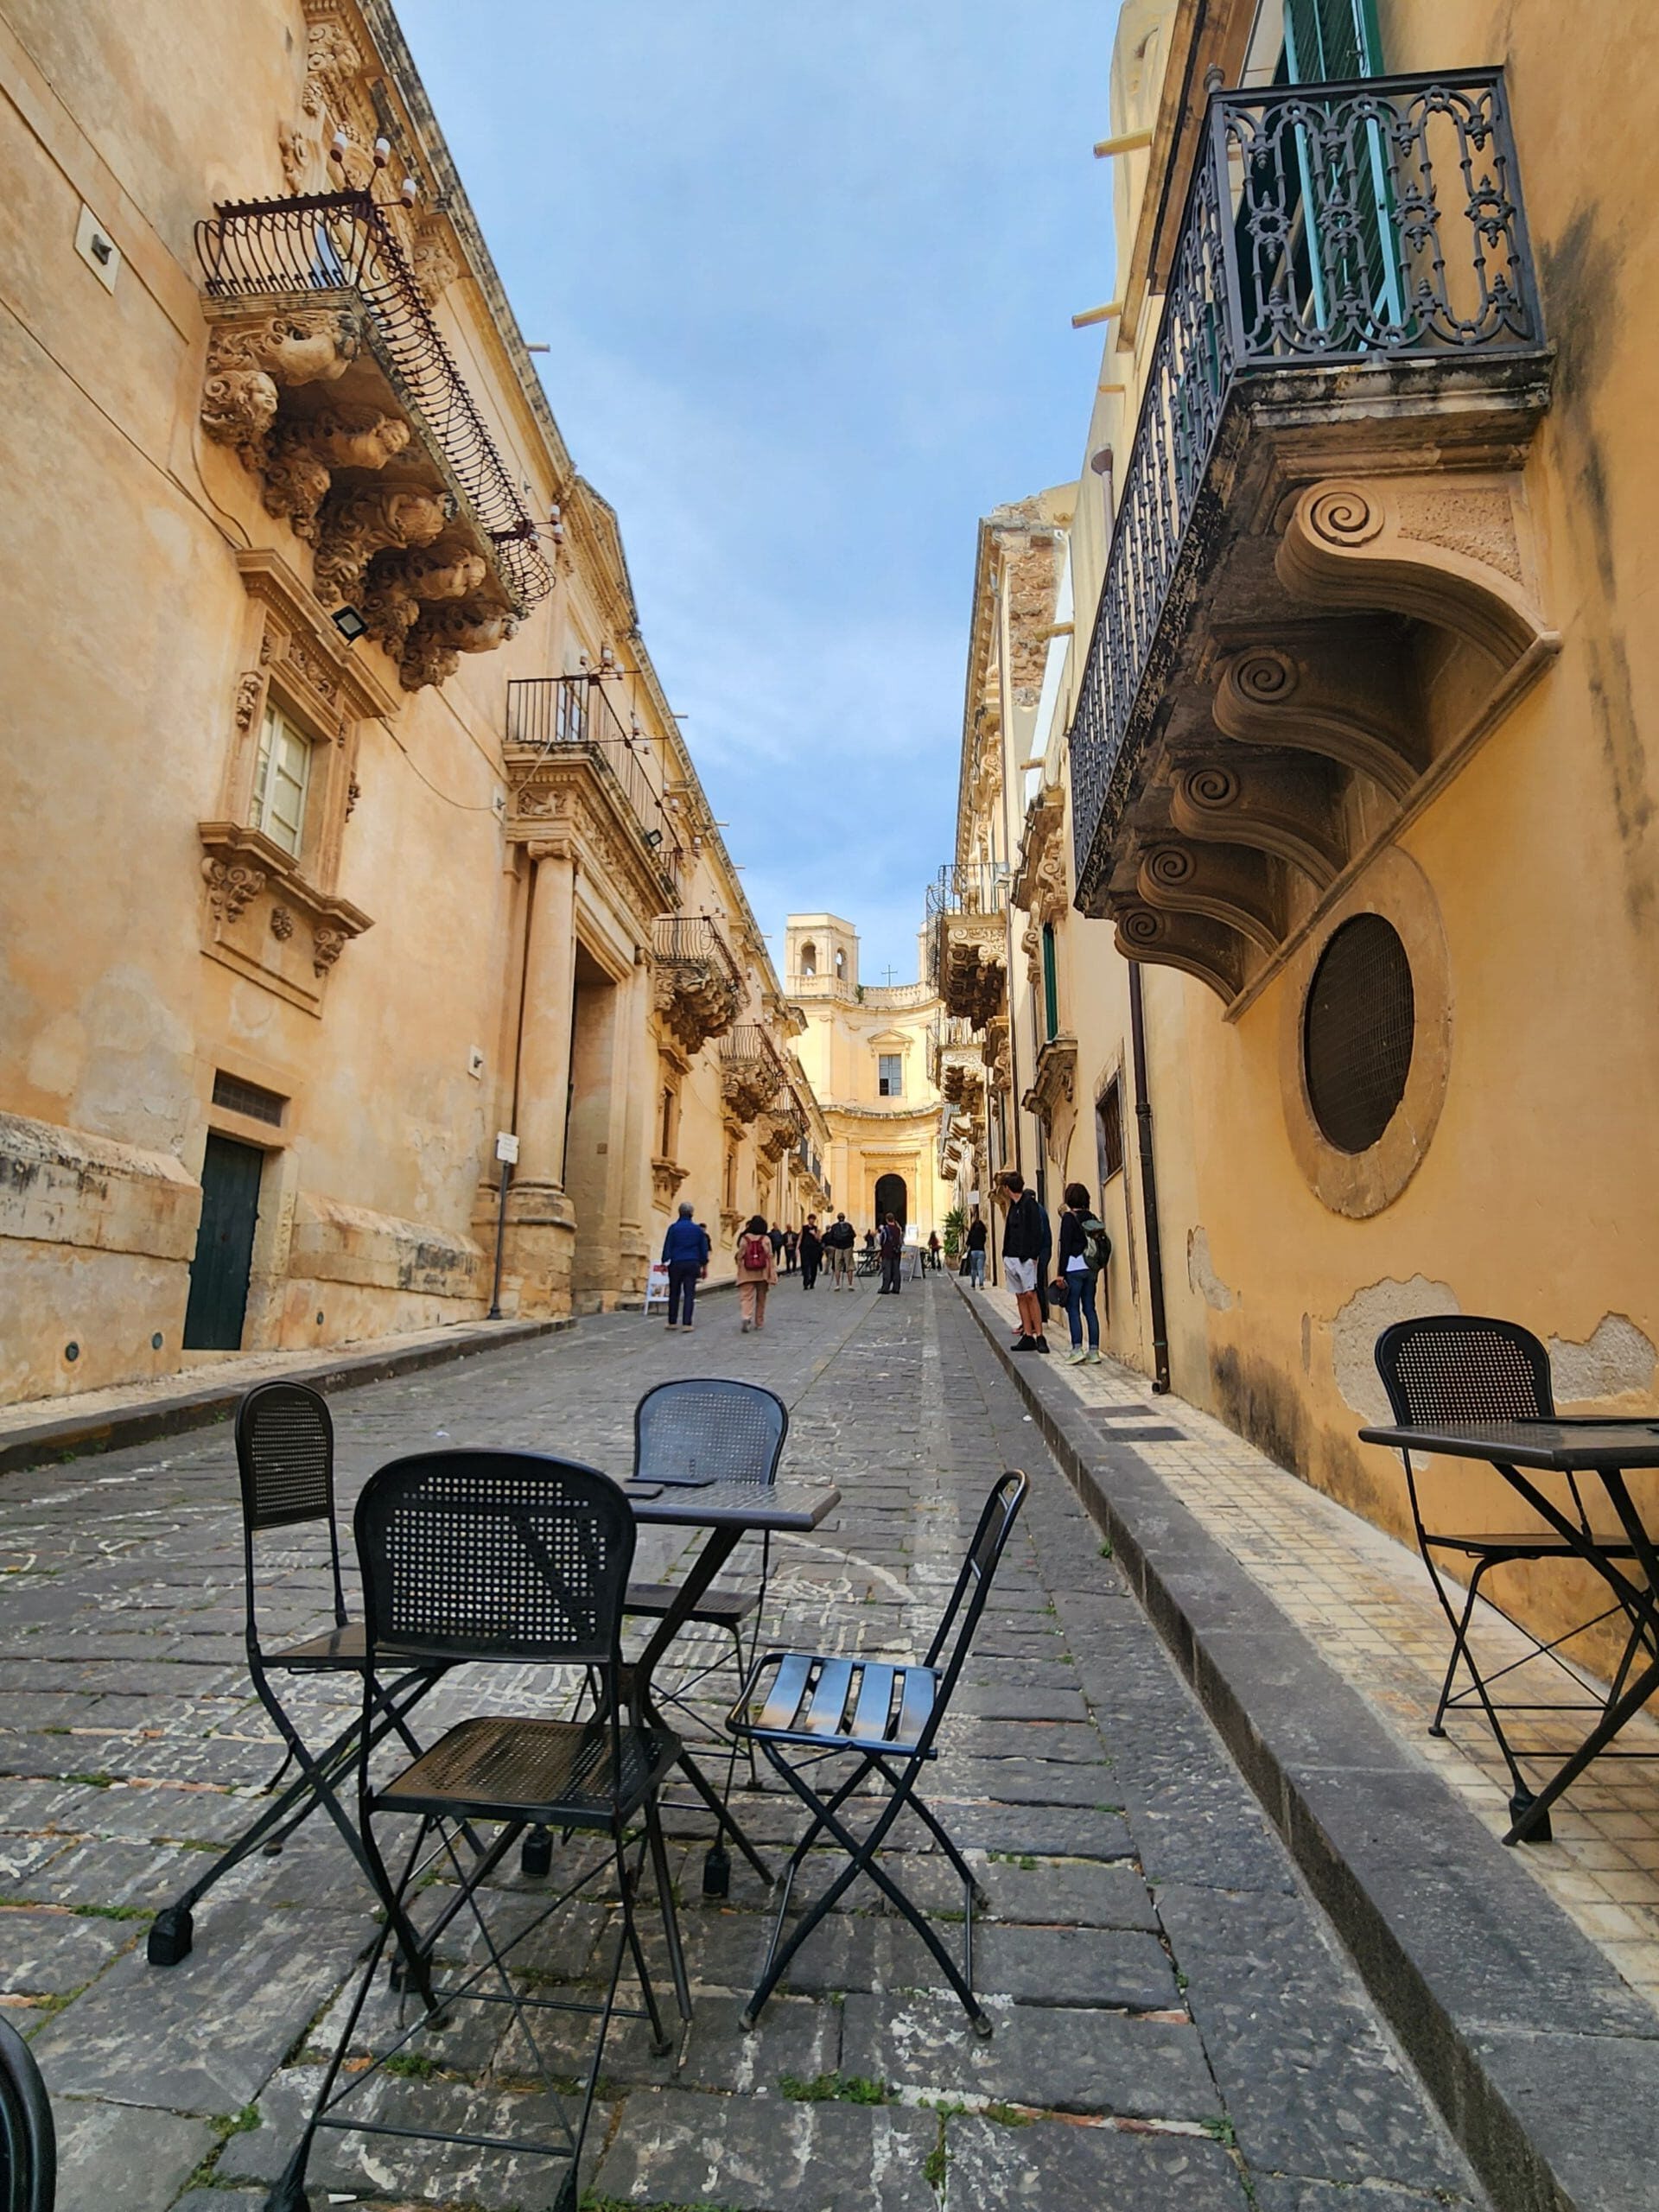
[[218, 1273]]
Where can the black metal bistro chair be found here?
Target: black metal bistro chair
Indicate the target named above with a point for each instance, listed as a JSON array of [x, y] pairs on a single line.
[[819, 1705], [506, 1559], [285, 1460], [28, 2142], [1465, 1366], [702, 1430]]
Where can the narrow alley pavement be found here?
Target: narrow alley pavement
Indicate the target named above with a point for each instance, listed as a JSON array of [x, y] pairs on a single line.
[[1175, 2025]]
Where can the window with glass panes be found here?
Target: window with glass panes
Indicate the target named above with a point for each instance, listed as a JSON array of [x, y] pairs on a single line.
[[280, 781], [890, 1074]]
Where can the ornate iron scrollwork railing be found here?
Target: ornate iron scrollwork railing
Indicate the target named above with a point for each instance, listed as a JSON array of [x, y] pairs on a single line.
[[1325, 226], [340, 242], [552, 712]]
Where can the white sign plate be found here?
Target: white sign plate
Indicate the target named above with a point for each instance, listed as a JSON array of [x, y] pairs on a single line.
[[506, 1147]]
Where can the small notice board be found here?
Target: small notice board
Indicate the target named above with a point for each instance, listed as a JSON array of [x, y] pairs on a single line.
[[657, 1285]]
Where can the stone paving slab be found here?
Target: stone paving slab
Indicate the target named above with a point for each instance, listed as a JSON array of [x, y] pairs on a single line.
[[1078, 1775]]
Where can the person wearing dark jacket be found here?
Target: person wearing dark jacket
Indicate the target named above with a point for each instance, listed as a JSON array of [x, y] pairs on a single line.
[[811, 1251], [838, 1241], [1084, 1249], [977, 1233], [892, 1253], [685, 1255], [1026, 1237]]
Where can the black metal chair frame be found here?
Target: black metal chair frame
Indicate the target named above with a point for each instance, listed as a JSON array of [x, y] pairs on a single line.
[[1506, 1376], [896, 1712], [28, 2140], [506, 1557], [287, 1481]]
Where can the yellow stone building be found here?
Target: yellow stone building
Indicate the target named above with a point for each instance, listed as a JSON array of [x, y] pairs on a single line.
[[348, 823], [870, 1054], [1312, 862]]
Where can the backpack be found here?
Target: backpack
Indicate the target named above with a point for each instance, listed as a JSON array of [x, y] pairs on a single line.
[[1096, 1244], [756, 1255]]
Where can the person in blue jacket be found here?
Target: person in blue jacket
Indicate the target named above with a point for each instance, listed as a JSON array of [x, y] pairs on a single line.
[[685, 1255]]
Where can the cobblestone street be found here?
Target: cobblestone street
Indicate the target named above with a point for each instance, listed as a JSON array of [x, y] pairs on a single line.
[[1175, 2026]]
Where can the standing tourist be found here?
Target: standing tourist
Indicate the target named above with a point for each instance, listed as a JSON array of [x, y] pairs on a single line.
[[1025, 1238], [892, 1253], [791, 1247], [933, 1248], [1085, 1250], [977, 1233], [776, 1237], [811, 1251], [757, 1271], [838, 1241], [685, 1255]]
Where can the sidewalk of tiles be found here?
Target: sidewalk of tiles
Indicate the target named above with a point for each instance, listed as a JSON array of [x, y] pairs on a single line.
[[1364, 1601]]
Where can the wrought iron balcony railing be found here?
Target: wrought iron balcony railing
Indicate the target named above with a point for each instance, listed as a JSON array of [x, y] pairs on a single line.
[[695, 940], [340, 242], [1326, 226], [551, 713]]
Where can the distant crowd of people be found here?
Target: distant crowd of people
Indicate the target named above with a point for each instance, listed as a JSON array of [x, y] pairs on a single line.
[[766, 1251]]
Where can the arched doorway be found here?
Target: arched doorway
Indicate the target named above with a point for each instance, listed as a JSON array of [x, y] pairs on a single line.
[[891, 1198]]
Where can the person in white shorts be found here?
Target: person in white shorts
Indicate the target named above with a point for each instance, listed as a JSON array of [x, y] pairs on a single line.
[[1023, 1240]]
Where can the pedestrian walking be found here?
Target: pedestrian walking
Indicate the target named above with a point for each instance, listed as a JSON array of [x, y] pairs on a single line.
[[757, 1271], [775, 1236], [1085, 1250], [933, 1249], [839, 1239], [1025, 1236], [685, 1255], [811, 1251], [791, 1248], [977, 1233], [892, 1254]]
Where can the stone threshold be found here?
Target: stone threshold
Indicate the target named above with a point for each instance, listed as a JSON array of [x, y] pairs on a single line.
[[1542, 2059], [106, 1420]]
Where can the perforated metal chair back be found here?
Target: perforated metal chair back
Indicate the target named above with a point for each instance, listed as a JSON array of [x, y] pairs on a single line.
[[285, 1460], [973, 1588], [1464, 1367], [710, 1430], [493, 1555], [29, 2142]]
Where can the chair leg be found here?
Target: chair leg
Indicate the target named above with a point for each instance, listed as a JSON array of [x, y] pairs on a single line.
[[662, 2042], [665, 1898], [1459, 1649], [924, 1812]]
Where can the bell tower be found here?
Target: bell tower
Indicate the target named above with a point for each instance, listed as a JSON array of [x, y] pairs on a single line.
[[820, 956]]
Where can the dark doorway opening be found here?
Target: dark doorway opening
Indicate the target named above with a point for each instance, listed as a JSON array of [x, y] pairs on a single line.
[[219, 1274], [891, 1198]]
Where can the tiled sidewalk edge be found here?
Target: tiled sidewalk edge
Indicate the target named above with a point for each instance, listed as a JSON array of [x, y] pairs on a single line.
[[69, 1435], [1545, 2063]]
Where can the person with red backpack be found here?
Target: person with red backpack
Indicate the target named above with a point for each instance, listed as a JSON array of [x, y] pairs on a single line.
[[757, 1271]]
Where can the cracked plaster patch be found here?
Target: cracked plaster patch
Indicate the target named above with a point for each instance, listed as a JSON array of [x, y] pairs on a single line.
[[1201, 1273], [1356, 1328], [1617, 1360]]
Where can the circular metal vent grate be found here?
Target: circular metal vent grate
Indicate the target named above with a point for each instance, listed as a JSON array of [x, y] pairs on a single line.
[[1356, 1032]]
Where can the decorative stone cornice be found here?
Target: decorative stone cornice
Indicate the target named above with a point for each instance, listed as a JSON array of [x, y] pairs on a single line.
[[563, 800], [666, 1177], [1055, 1083], [974, 976], [240, 867], [696, 989]]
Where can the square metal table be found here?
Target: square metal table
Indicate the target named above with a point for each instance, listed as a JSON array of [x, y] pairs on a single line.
[[730, 1512], [1595, 1444]]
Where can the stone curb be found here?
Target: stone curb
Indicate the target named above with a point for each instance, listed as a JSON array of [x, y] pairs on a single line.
[[71, 1436], [1544, 2062]]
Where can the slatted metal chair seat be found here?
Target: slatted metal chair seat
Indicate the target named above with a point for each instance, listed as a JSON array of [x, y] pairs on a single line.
[[556, 1774], [821, 1699]]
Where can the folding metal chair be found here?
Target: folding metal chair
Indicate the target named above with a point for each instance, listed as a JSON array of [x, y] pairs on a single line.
[[28, 2142], [285, 1460], [887, 1718], [511, 1558], [1465, 1366]]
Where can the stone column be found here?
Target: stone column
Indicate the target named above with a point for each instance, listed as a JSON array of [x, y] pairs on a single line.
[[541, 1221], [637, 1055]]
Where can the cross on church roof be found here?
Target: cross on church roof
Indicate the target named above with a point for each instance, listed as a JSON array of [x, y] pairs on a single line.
[[889, 972]]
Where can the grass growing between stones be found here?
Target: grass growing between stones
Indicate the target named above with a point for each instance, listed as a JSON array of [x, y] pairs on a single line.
[[223, 2125], [824, 2089]]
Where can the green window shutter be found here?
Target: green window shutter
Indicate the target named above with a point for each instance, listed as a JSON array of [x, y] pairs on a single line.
[[1329, 41], [1050, 984]]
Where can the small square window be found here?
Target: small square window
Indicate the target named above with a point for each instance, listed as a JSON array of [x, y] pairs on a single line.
[[890, 1074], [281, 780]]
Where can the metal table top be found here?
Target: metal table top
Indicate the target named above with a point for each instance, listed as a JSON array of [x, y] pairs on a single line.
[[1594, 1441], [782, 1508]]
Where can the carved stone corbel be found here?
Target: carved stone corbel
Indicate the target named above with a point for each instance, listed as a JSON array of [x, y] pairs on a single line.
[[1348, 692], [1455, 551], [442, 634], [232, 887], [1203, 947], [1230, 883], [1287, 804], [379, 517]]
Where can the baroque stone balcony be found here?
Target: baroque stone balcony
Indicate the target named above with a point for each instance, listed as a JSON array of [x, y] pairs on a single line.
[[752, 1075], [1322, 588], [329, 380], [967, 925], [697, 984]]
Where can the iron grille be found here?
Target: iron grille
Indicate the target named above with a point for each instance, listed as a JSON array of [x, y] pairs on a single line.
[[1356, 1032], [1108, 1130], [342, 242], [237, 1097], [1325, 226]]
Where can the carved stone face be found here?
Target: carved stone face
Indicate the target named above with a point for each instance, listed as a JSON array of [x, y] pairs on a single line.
[[296, 354], [444, 572]]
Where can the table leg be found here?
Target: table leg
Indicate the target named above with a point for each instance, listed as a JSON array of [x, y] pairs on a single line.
[[1593, 1746], [718, 1548]]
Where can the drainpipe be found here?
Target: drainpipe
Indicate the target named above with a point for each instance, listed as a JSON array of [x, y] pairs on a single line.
[[1148, 1187]]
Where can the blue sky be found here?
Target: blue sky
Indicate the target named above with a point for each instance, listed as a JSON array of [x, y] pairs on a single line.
[[807, 275]]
